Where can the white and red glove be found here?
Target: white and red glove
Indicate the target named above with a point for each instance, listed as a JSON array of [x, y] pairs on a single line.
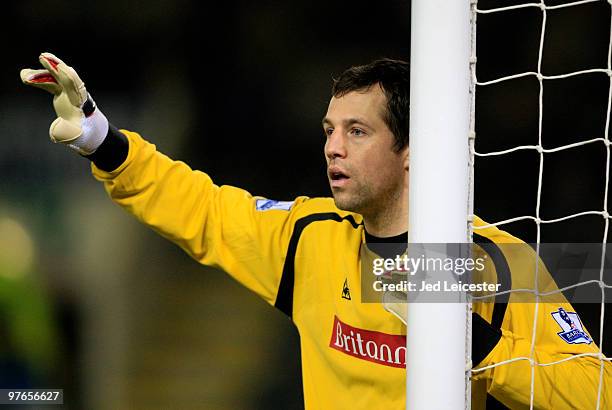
[[80, 124]]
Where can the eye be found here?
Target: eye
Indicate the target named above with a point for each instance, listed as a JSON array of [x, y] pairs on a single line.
[[358, 132], [328, 131]]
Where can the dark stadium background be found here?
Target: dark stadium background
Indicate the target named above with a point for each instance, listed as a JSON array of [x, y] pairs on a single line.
[[120, 318]]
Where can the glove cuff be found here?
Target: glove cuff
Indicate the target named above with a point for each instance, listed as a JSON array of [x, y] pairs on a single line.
[[112, 152], [94, 126]]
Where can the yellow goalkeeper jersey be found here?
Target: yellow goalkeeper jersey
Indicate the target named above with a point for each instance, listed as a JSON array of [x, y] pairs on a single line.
[[303, 257]]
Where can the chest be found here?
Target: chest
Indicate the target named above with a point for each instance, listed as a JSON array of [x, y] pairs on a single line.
[[328, 295]]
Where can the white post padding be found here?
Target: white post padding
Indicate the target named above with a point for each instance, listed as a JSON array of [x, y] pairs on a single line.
[[439, 185]]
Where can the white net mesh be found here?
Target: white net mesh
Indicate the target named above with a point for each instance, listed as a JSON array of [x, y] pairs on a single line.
[[543, 150]]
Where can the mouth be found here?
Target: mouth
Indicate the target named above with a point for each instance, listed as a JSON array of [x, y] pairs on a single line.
[[337, 177]]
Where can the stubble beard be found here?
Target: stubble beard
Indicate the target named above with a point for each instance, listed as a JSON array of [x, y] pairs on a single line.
[[362, 200], [357, 200]]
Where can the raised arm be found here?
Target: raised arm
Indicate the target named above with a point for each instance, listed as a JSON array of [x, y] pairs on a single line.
[[224, 226]]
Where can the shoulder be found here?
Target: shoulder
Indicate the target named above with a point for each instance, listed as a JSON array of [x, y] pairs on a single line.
[[323, 209], [484, 230]]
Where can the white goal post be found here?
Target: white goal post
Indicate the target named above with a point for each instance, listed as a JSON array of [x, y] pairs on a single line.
[[437, 342]]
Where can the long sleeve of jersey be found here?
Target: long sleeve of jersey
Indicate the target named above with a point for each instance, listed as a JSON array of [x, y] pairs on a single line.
[[572, 384], [573, 381], [217, 226]]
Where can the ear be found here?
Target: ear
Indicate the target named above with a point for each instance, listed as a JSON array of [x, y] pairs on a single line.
[[406, 155]]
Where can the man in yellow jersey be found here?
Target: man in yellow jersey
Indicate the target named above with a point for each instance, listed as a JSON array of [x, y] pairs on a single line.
[[303, 256]]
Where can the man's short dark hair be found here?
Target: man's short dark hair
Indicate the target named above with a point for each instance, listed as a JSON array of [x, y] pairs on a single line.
[[393, 76]]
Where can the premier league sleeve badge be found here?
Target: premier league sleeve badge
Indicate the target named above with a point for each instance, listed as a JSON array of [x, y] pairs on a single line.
[[572, 331]]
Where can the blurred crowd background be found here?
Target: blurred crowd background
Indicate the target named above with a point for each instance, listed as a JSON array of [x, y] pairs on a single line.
[[94, 303]]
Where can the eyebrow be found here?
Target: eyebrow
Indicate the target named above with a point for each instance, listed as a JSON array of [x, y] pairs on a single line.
[[347, 122]]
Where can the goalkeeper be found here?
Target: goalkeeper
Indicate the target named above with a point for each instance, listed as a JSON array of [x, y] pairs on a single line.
[[303, 256]]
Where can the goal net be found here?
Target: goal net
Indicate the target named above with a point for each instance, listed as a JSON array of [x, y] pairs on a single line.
[[553, 79], [510, 121]]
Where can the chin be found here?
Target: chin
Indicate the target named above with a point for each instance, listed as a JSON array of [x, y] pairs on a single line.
[[345, 204]]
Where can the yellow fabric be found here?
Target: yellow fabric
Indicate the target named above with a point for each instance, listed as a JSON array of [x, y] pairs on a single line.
[[569, 385], [350, 353]]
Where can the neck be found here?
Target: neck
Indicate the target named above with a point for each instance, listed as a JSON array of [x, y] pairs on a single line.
[[388, 221]]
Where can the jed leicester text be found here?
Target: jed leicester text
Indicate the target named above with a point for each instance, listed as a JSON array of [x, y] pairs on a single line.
[[439, 286]]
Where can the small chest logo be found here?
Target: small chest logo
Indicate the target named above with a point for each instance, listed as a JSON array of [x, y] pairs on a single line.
[[346, 293], [571, 326]]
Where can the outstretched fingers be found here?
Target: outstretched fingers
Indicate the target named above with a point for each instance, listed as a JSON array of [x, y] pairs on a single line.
[[66, 77], [41, 79]]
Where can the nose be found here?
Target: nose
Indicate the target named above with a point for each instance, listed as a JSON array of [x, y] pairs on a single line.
[[335, 145]]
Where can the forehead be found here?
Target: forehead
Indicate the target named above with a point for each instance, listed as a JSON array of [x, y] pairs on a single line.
[[369, 104]]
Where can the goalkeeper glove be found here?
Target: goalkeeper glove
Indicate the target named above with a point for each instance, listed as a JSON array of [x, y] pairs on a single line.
[[80, 124]]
